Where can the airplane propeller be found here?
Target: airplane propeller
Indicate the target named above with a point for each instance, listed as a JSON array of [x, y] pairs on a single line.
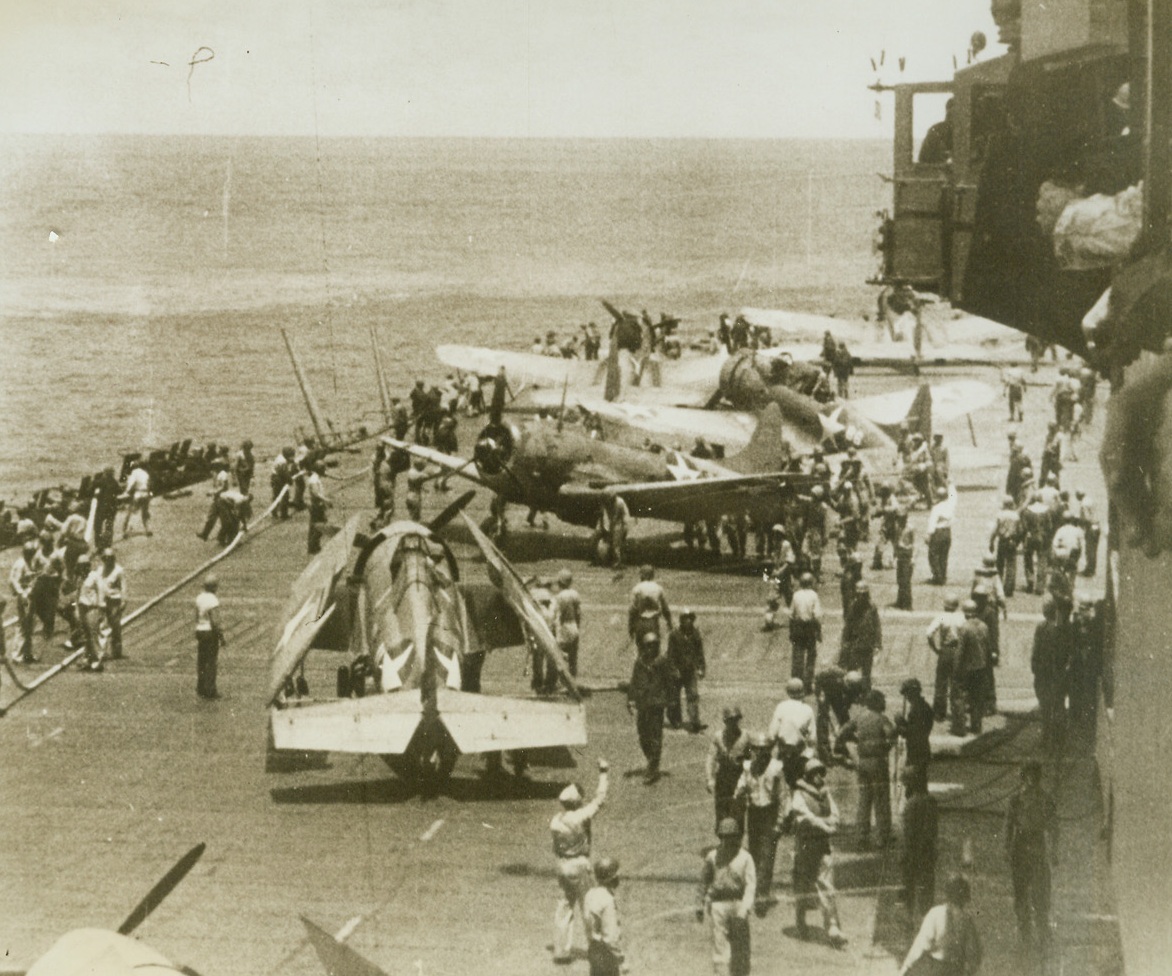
[[165, 885], [449, 513]]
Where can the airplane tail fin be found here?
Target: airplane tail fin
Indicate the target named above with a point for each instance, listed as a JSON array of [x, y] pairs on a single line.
[[919, 417], [338, 959], [767, 450]]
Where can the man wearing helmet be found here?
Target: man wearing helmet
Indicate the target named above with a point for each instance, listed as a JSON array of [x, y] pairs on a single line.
[[792, 730], [1004, 541], [728, 886], [567, 619], [653, 679], [759, 791], [685, 650], [604, 949], [816, 816], [570, 830]]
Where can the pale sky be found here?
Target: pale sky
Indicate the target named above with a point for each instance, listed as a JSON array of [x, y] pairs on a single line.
[[564, 68]]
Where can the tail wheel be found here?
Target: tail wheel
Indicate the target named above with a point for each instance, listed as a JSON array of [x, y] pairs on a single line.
[[428, 765]]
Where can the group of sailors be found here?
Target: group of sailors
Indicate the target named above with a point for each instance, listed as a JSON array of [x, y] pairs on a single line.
[[59, 575]]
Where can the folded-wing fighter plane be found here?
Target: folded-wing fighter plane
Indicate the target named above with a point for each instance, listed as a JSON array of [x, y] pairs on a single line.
[[562, 469], [416, 635]]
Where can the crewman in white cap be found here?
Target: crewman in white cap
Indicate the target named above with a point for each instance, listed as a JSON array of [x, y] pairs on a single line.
[[570, 829]]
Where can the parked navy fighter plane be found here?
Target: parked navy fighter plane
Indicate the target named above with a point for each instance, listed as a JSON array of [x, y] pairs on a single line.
[[416, 635]]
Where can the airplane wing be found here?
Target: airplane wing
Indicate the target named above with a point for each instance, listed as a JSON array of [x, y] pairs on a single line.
[[337, 958], [676, 425], [949, 401], [310, 606], [522, 367], [948, 339], [97, 952], [465, 468], [505, 578], [707, 497]]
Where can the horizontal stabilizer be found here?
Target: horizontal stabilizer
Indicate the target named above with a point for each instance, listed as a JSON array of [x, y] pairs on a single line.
[[486, 723], [379, 725]]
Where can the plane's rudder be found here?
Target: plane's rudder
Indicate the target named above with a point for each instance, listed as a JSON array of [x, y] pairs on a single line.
[[767, 450]]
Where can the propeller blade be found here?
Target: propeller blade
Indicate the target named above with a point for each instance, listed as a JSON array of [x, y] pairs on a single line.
[[451, 511], [615, 313], [161, 890], [500, 386], [562, 408]]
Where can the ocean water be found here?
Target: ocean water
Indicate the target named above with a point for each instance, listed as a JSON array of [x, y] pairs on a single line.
[[143, 280]]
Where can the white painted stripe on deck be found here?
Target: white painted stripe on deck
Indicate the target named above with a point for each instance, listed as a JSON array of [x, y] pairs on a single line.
[[431, 831], [348, 929]]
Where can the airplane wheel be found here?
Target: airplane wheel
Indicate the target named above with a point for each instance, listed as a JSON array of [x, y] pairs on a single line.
[[428, 767]]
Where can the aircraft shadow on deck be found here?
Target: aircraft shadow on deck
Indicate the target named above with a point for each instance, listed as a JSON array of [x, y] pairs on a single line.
[[663, 550], [391, 790]]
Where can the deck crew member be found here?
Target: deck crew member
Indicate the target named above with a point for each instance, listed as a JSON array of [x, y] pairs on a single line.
[[318, 506], [760, 794], [805, 630], [570, 829], [816, 821], [914, 725], [567, 630], [91, 608], [685, 649], [948, 936], [1031, 827], [281, 479], [920, 831], [50, 568], [791, 730], [416, 478], [209, 637], [22, 579], [726, 760], [728, 886], [648, 605], [652, 680], [243, 467], [862, 634], [107, 491], [939, 531], [114, 580], [874, 736], [220, 484], [604, 946], [138, 487], [973, 659], [1004, 541], [944, 640]]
